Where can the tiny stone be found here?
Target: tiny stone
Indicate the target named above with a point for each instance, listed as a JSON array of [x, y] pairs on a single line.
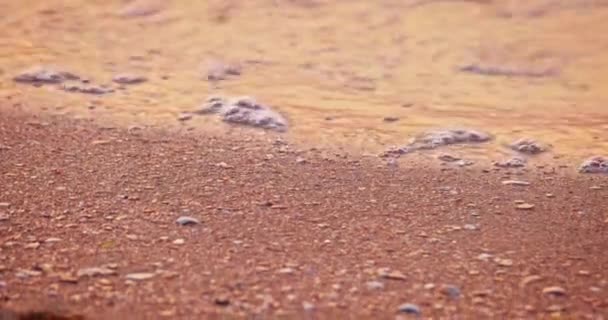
[[4, 204], [100, 142], [94, 271], [374, 285], [223, 165], [32, 245], [68, 278], [28, 273], [392, 275], [516, 183], [471, 227], [4, 217], [286, 271], [300, 160], [554, 290], [504, 262], [185, 221], [179, 241], [222, 301], [464, 163], [409, 308], [307, 306], [138, 276], [51, 240], [484, 256], [524, 206], [451, 291]]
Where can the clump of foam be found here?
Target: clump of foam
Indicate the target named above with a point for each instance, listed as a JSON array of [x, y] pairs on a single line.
[[438, 138], [528, 146], [514, 162], [44, 74], [244, 111], [597, 164]]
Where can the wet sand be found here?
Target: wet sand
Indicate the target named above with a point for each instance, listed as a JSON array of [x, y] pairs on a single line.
[[285, 233]]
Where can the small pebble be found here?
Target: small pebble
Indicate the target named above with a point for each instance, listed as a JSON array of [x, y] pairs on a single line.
[[222, 301], [95, 271], [516, 183], [186, 221], [139, 276], [374, 285], [286, 271], [470, 227], [524, 206], [392, 275], [179, 241], [409, 308], [484, 256], [307, 306], [504, 262], [555, 291], [451, 291]]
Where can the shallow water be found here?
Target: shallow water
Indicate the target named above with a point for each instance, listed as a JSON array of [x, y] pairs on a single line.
[[335, 69]]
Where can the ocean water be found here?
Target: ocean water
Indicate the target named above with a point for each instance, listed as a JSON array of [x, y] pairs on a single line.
[[337, 70]]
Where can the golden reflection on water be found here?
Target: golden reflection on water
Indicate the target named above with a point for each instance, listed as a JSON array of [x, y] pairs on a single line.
[[334, 68]]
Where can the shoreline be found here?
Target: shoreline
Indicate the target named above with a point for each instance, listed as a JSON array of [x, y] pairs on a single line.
[[482, 156], [285, 233]]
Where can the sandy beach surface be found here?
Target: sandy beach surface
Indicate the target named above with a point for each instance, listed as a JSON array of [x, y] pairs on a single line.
[[88, 225]]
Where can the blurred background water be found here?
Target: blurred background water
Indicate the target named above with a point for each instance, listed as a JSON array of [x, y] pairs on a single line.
[[354, 74]]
